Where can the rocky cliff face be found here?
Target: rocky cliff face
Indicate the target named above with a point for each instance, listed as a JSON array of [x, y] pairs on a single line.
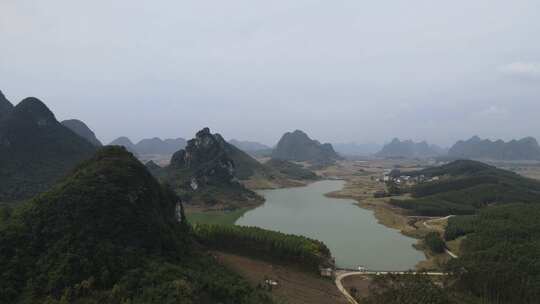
[[207, 172], [81, 129], [409, 149], [297, 146], [477, 148], [206, 158]]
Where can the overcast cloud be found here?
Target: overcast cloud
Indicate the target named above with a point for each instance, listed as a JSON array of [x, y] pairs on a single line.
[[347, 70]]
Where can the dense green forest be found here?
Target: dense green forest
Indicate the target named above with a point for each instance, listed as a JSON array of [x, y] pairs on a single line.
[[415, 289], [499, 259], [110, 233], [465, 187], [275, 246], [434, 242], [499, 220], [459, 226]]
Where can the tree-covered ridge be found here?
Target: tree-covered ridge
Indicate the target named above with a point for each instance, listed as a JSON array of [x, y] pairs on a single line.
[[260, 243], [459, 226], [499, 260], [467, 186], [35, 150], [109, 233]]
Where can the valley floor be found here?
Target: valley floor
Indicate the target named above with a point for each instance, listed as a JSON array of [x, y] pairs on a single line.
[[295, 286]]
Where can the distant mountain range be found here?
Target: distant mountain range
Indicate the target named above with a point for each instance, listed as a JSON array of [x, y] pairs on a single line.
[[477, 148], [297, 146], [81, 129], [409, 149], [355, 149], [249, 146], [151, 146], [35, 149]]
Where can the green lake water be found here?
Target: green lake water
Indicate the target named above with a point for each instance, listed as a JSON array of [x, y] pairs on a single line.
[[352, 233]]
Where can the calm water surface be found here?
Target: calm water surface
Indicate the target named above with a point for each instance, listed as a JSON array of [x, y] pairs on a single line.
[[352, 233]]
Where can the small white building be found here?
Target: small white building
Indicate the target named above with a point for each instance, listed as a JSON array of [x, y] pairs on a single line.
[[271, 283], [327, 272]]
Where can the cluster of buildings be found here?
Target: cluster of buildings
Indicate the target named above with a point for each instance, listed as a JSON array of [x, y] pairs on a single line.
[[399, 178]]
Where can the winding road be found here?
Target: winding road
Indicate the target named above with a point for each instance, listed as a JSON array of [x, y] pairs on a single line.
[[428, 226], [340, 275]]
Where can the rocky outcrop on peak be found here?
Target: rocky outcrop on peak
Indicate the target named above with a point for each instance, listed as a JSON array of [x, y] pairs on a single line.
[[208, 171]]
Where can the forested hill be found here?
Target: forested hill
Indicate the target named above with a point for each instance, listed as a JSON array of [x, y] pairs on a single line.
[[35, 150], [109, 233], [499, 256], [465, 186], [476, 148], [297, 146]]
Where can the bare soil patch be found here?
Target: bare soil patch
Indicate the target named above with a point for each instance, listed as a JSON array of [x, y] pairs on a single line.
[[294, 286]]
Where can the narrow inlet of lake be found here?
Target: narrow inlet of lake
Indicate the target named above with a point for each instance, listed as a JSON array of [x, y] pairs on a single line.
[[352, 233]]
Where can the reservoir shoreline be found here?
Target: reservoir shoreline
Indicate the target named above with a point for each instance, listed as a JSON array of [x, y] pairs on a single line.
[[354, 235]]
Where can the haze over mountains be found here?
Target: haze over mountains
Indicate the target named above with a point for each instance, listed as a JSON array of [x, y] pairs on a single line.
[[409, 149], [249, 146], [356, 149], [476, 148], [151, 146], [81, 129]]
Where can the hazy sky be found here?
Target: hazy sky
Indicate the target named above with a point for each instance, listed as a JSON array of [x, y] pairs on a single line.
[[348, 70]]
